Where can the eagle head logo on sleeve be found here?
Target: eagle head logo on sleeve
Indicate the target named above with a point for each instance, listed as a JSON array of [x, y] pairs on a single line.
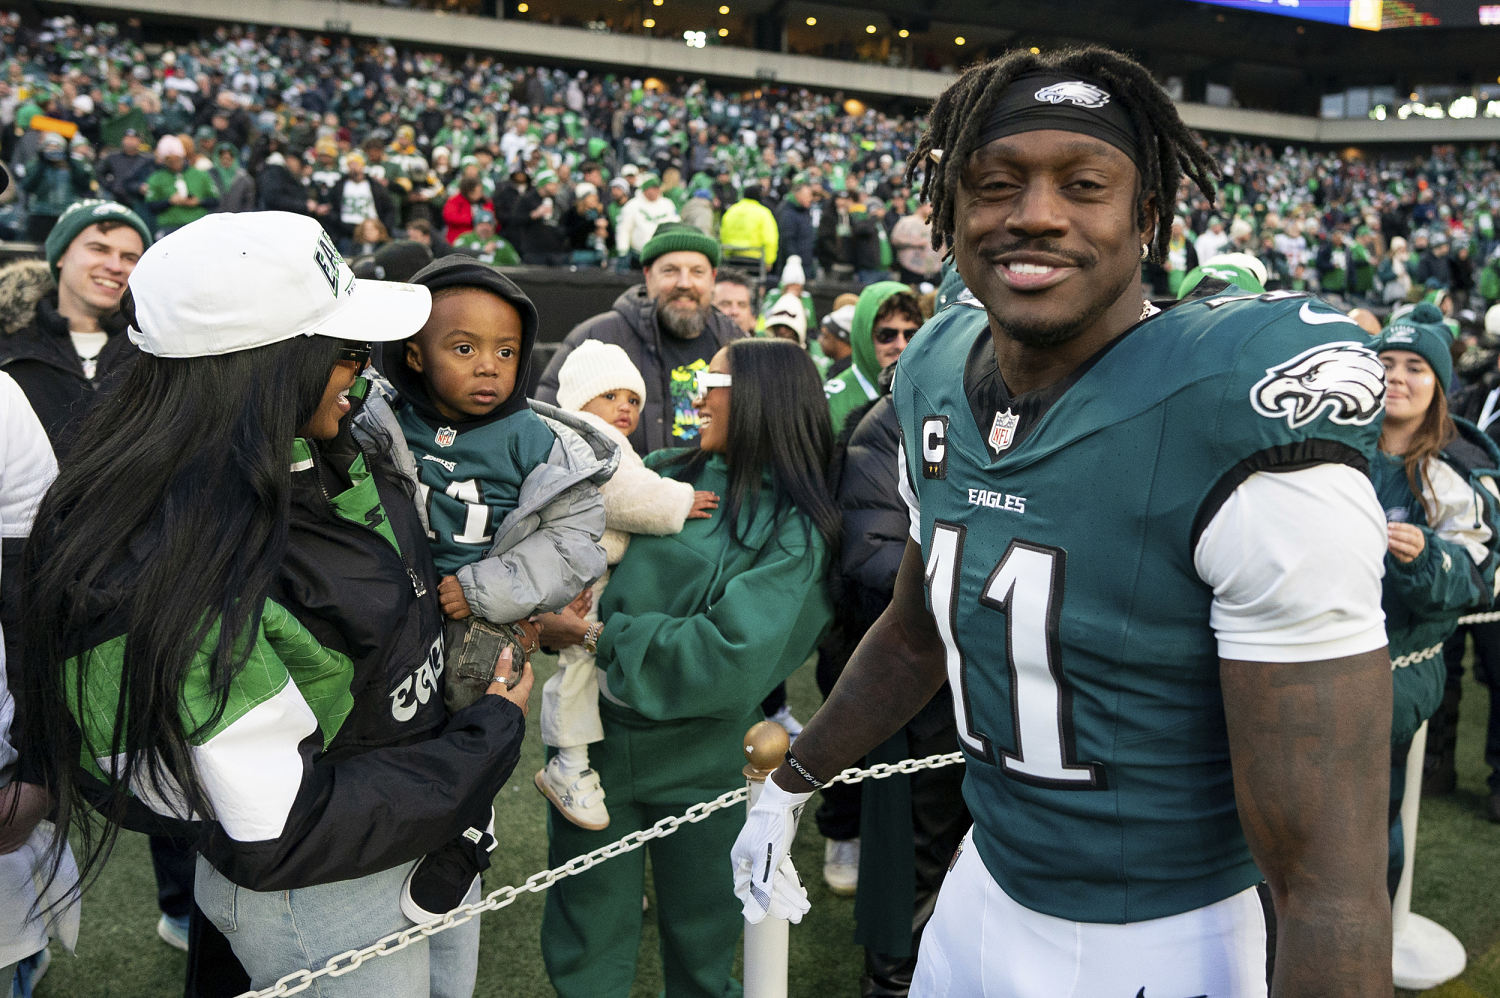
[[1345, 380], [1075, 92]]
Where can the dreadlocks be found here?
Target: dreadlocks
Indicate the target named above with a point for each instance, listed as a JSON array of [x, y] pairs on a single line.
[[1169, 148]]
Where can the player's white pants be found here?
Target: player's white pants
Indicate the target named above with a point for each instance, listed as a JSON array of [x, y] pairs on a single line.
[[982, 943]]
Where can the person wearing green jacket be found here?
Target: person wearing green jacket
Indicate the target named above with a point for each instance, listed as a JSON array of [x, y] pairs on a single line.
[[178, 193], [694, 630], [885, 318], [1435, 476]]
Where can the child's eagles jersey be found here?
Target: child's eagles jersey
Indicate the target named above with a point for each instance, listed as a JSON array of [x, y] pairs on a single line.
[[1060, 571], [471, 477]]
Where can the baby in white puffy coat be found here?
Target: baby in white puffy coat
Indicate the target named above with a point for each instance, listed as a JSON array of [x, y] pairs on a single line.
[[599, 382]]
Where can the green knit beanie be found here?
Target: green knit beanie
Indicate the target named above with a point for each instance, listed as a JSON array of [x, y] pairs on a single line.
[[80, 216], [671, 237], [1422, 332]]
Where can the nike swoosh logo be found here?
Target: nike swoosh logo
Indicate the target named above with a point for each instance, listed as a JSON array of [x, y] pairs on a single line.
[[1307, 315]]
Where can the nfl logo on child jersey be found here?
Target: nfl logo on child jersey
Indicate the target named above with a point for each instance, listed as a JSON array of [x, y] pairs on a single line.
[[445, 436], [1003, 431]]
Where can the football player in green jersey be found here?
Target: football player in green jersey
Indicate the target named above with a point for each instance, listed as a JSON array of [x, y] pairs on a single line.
[[1146, 552]]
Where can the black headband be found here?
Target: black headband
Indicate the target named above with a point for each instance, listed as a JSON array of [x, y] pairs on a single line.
[[1063, 101]]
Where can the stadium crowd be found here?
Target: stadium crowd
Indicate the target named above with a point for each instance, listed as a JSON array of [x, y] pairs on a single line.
[[421, 167], [549, 166]]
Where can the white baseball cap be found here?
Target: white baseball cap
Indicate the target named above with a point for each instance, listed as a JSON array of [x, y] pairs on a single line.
[[239, 280]]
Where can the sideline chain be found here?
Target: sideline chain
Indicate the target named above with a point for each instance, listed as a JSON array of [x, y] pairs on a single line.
[[1412, 658], [501, 897]]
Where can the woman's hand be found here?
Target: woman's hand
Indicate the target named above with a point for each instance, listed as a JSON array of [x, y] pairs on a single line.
[[451, 598], [704, 503], [519, 694], [562, 629], [1405, 541]]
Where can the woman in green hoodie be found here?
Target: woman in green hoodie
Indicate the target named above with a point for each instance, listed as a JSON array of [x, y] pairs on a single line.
[[695, 629]]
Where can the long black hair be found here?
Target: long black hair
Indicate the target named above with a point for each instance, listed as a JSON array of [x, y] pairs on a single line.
[[778, 421], [168, 520], [1169, 148]]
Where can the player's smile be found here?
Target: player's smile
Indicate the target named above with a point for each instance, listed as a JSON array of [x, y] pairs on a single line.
[[1036, 271]]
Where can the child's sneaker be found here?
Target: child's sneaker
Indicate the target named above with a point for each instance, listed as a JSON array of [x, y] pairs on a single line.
[[574, 792], [441, 880]]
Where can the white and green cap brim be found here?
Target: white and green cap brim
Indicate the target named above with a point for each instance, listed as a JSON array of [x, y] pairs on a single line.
[[240, 280]]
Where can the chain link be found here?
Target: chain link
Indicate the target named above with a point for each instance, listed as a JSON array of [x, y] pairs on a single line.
[[1413, 658], [501, 897], [1480, 618]]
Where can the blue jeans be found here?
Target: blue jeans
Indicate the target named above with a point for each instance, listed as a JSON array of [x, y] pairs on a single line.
[[277, 932]]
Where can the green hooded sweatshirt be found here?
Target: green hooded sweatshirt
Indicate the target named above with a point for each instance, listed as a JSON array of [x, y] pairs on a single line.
[[857, 385], [697, 630]]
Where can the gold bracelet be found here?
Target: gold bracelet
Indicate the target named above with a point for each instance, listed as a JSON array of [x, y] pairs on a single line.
[[591, 637]]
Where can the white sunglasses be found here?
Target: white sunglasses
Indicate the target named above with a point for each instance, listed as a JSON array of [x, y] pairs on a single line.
[[704, 380]]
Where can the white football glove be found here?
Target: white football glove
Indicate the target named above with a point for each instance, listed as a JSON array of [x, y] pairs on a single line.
[[764, 878]]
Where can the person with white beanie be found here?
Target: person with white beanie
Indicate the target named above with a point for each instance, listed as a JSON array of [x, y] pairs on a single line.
[[600, 384], [793, 284], [788, 320]]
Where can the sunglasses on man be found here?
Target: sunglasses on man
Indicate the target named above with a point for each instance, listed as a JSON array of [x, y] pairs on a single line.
[[888, 334]]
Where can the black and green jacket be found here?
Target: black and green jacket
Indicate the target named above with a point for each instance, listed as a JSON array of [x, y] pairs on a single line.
[[335, 757]]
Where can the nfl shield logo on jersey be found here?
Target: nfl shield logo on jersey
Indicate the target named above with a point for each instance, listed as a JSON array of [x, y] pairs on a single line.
[[445, 436], [1003, 431]]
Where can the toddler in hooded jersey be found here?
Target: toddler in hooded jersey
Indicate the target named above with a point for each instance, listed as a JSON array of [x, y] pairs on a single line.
[[599, 383], [510, 495]]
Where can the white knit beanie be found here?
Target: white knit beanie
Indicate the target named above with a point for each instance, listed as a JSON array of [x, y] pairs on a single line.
[[792, 273], [592, 369], [788, 312]]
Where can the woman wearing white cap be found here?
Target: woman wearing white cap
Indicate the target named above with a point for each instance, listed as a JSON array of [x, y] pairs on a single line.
[[234, 614]]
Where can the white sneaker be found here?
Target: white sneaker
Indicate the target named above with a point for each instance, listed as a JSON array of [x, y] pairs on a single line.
[[784, 718], [841, 866], [574, 792], [173, 931]]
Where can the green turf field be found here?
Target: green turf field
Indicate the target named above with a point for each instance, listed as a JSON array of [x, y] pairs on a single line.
[[1457, 884]]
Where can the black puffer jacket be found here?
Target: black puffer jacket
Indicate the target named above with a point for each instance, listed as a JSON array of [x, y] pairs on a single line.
[[631, 325], [876, 522], [39, 354]]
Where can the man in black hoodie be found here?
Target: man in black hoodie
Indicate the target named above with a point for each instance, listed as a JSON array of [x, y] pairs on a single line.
[[73, 342]]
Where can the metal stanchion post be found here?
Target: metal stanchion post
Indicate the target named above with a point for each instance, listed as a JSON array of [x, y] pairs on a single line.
[[766, 944], [1423, 954]]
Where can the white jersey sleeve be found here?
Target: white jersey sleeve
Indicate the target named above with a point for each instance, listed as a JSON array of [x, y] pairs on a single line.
[[908, 494], [1295, 560]]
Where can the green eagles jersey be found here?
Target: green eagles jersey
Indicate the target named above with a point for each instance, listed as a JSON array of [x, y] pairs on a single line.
[[470, 478], [1060, 572]]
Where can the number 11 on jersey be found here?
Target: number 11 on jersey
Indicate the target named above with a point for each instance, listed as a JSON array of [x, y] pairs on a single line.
[[1027, 588]]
